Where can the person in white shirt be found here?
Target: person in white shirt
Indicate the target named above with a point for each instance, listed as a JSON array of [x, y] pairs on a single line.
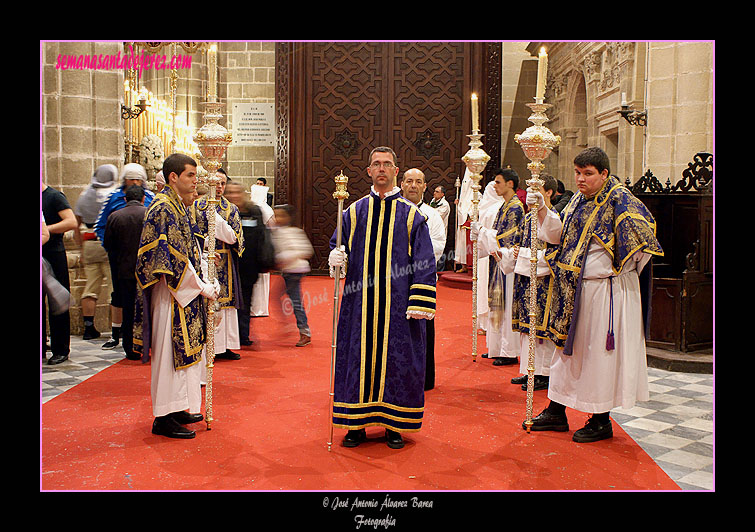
[[488, 209], [413, 188], [261, 294], [292, 253]]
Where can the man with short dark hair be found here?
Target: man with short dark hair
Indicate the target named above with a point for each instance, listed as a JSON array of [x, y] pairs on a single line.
[[516, 261]]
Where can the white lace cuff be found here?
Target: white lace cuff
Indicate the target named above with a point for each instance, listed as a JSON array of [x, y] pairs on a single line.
[[418, 314]]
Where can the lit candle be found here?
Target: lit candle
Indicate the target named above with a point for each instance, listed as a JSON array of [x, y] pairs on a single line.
[[212, 66], [475, 117], [542, 73]]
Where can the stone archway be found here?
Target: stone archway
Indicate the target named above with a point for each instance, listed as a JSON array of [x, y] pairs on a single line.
[[575, 130]]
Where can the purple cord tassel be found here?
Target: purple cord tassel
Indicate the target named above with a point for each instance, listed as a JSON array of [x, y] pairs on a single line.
[[609, 341], [609, 337]]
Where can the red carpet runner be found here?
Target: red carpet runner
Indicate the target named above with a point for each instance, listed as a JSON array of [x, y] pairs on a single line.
[[271, 425]]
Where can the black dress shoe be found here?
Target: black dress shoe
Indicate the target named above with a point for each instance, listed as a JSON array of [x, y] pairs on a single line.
[[167, 426], [505, 361], [57, 359], [522, 379], [228, 355], [593, 430], [184, 418], [547, 421], [540, 383], [354, 438], [393, 439]]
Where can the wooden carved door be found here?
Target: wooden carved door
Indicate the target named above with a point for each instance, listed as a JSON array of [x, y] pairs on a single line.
[[337, 101]]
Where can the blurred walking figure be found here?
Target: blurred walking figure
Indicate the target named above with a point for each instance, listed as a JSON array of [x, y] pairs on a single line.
[[292, 252]]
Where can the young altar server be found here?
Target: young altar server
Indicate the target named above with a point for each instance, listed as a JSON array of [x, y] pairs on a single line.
[[601, 268], [229, 246], [516, 260], [170, 317], [503, 342]]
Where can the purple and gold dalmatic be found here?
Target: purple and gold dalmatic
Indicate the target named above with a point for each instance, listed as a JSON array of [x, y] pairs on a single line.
[[166, 249], [380, 354]]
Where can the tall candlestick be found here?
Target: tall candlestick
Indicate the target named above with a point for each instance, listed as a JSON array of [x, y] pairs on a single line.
[[537, 141], [542, 73], [475, 114]]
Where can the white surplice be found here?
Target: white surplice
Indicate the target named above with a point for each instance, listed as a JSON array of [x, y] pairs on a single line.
[[437, 229], [260, 305], [488, 208], [172, 390], [226, 319], [463, 211], [503, 342]]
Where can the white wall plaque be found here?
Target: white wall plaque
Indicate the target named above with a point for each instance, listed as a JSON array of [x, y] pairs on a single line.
[[253, 124]]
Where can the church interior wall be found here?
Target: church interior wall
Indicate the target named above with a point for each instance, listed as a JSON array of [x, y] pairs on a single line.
[[674, 81]]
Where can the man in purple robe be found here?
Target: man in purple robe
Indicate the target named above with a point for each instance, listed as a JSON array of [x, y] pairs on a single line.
[[389, 284]]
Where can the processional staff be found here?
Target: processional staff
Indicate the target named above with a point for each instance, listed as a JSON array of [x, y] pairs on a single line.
[[212, 140], [340, 194], [537, 142], [475, 159]]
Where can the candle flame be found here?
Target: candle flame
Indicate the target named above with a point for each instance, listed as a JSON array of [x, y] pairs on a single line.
[[474, 96]]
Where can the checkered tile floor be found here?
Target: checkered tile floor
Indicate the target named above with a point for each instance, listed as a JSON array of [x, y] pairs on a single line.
[[675, 427]]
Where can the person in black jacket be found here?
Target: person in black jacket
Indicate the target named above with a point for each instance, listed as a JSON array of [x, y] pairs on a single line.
[[249, 267], [123, 232], [562, 197]]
